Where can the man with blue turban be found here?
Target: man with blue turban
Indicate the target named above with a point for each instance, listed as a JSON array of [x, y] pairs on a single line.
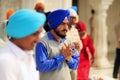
[[16, 62], [55, 56]]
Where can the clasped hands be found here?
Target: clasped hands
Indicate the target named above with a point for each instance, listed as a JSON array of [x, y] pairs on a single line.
[[67, 51]]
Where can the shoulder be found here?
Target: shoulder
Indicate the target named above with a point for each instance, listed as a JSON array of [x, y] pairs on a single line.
[[44, 38]]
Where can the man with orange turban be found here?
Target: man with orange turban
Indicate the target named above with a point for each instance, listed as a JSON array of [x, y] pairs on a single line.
[[40, 7], [3, 36], [9, 13]]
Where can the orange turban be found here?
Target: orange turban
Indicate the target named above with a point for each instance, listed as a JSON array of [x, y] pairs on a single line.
[[39, 5], [9, 13]]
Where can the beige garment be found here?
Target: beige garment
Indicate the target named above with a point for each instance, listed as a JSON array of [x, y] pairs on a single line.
[[1, 42], [73, 36], [117, 33], [3, 34]]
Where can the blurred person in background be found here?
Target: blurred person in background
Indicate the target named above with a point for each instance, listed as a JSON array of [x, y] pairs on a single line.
[[40, 7], [117, 58], [92, 22], [87, 53], [3, 35], [74, 37]]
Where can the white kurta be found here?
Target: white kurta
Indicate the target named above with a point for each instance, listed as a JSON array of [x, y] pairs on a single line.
[[73, 36], [15, 64]]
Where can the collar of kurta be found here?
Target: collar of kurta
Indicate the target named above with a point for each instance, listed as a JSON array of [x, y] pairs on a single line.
[[52, 36]]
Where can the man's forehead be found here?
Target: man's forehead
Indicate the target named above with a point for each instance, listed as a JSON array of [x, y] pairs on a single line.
[[65, 19]]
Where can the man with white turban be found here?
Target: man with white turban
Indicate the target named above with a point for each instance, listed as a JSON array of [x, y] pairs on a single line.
[[73, 36]]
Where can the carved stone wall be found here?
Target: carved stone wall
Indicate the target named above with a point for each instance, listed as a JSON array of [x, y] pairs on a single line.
[[101, 32], [6, 5]]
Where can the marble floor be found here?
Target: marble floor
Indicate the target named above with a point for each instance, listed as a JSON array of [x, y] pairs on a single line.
[[103, 73]]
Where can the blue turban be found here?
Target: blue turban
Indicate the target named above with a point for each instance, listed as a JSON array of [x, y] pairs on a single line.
[[75, 8], [24, 23], [56, 17]]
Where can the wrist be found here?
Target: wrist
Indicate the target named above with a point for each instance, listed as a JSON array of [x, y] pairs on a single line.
[[68, 59]]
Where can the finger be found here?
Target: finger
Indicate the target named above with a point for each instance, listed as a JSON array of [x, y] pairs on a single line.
[[69, 46], [65, 44], [63, 47]]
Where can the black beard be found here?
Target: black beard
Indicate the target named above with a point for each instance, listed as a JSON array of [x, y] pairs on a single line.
[[62, 36]]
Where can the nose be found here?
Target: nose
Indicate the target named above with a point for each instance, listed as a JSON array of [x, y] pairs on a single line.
[[65, 26]]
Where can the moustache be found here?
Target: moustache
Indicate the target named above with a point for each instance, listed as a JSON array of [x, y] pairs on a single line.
[[65, 30]]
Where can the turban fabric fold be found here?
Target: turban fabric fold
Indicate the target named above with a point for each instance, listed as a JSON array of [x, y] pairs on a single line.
[[75, 8], [56, 17], [24, 23]]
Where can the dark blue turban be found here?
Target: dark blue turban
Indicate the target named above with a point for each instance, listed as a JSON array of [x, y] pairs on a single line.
[[56, 17]]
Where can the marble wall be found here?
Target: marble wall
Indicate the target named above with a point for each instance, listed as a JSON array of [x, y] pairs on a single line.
[[113, 15], [112, 18], [51, 5]]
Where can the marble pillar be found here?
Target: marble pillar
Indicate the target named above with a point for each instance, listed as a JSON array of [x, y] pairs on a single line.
[[100, 38]]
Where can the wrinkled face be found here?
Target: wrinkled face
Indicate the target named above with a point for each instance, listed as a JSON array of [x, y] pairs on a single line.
[[81, 33], [29, 42], [72, 20], [62, 28]]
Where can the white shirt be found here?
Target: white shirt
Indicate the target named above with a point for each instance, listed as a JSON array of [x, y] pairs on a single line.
[[16, 64], [73, 35]]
